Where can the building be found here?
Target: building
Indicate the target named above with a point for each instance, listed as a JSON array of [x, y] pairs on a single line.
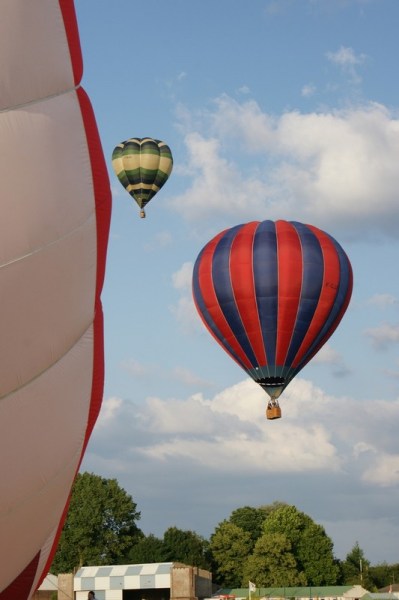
[[335, 592], [152, 581]]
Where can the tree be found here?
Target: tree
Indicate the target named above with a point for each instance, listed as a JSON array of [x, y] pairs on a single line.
[[272, 563], [383, 574], [249, 519], [355, 568], [184, 546], [148, 549], [311, 547], [100, 525], [229, 546]]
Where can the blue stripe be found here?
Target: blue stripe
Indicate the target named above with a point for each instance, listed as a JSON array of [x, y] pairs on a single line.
[[266, 285], [312, 281], [224, 291]]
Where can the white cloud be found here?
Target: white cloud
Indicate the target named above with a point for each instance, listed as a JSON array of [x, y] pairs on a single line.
[[308, 90], [327, 355], [313, 167], [229, 432], [383, 470], [186, 314], [182, 278], [348, 60], [190, 462], [345, 56], [383, 300], [384, 335], [136, 368], [188, 377]]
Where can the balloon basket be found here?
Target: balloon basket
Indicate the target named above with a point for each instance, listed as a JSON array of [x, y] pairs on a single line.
[[273, 412], [142, 214]]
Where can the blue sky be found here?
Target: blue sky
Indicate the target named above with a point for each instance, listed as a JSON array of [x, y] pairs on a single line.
[[273, 109]]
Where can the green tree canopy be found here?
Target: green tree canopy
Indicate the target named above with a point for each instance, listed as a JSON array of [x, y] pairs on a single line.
[[148, 549], [311, 547], [100, 525], [355, 568], [272, 563], [383, 574], [249, 519], [184, 546], [229, 546]]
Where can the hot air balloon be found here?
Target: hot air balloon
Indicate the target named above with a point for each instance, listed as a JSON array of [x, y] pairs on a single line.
[[143, 166], [55, 206], [271, 294]]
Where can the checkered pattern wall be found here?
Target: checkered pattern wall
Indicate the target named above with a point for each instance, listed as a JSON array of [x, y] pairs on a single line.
[[108, 582]]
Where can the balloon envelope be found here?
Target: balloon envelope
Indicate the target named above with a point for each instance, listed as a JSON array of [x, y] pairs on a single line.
[[143, 166], [271, 294], [55, 211]]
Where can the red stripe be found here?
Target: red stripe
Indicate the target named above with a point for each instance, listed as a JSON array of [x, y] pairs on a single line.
[[328, 293], [243, 284], [211, 302], [101, 185], [290, 270], [71, 29], [21, 587]]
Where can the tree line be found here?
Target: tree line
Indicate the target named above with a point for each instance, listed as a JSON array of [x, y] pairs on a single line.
[[274, 545]]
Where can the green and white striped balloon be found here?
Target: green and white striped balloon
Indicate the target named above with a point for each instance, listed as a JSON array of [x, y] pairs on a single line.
[[143, 166]]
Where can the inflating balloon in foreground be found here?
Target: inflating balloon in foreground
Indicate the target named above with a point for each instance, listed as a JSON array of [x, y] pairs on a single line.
[[143, 166], [271, 294], [54, 213]]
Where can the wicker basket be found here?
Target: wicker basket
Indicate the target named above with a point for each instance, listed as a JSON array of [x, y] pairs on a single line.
[[273, 412]]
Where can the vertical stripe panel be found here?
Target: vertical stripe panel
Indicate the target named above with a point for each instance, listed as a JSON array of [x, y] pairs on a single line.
[[242, 281], [266, 283], [312, 280], [327, 296], [340, 305], [225, 293], [208, 305], [290, 273]]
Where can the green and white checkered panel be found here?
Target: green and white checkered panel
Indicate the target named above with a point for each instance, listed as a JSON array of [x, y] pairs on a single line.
[[108, 582]]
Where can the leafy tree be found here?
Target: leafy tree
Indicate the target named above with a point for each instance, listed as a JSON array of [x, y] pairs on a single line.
[[272, 563], [100, 525], [148, 549], [249, 519], [229, 546], [311, 547], [383, 574], [315, 555], [184, 546]]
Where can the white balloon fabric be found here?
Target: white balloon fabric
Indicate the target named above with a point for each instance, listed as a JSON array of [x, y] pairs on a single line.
[[55, 207]]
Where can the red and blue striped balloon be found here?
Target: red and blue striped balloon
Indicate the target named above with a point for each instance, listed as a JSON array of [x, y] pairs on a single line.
[[271, 294]]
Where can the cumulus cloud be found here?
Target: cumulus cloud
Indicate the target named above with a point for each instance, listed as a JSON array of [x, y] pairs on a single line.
[[228, 432], [210, 455], [337, 168], [383, 470]]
